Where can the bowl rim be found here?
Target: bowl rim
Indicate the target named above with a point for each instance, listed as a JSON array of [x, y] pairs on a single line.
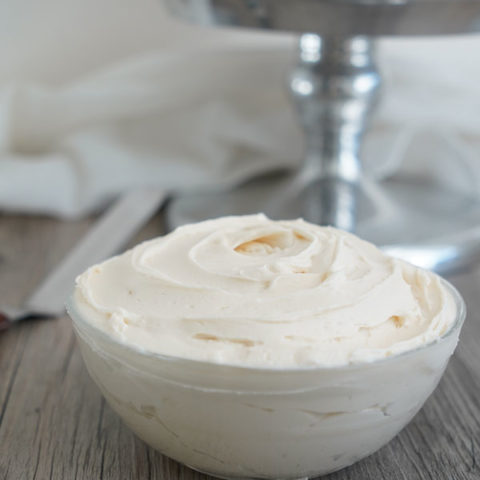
[[456, 326]]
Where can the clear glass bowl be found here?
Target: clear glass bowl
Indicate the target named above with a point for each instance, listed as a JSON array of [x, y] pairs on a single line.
[[236, 422]]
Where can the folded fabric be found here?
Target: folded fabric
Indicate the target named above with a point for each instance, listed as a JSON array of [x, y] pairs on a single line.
[[171, 121], [209, 114]]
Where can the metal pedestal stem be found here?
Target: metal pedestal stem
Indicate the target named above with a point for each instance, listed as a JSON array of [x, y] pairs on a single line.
[[335, 86]]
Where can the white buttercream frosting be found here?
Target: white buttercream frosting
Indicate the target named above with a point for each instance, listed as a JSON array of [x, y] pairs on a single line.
[[256, 292]]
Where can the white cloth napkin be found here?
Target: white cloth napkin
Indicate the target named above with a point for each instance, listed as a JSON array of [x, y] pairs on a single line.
[[184, 108]]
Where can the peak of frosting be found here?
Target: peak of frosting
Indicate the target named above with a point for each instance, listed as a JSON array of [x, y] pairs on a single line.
[[252, 291]]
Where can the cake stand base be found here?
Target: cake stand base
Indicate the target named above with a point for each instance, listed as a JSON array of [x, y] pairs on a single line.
[[404, 215]]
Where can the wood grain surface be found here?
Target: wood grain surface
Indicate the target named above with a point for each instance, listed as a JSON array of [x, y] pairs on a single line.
[[54, 423]]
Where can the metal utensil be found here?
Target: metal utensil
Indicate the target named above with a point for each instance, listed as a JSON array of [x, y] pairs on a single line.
[[110, 233]]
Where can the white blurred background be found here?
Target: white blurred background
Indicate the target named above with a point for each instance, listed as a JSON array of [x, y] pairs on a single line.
[[99, 96]]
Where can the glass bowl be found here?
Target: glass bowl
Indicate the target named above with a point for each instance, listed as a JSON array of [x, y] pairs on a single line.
[[243, 422]]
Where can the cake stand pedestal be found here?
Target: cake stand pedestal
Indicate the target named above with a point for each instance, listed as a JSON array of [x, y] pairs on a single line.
[[335, 86]]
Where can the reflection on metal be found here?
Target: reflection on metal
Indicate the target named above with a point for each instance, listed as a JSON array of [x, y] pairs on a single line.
[[335, 86], [345, 18]]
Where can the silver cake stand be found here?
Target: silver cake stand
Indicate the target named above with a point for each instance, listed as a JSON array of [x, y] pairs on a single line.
[[335, 86]]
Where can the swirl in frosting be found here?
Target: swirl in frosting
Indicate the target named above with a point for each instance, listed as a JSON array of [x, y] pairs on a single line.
[[255, 292]]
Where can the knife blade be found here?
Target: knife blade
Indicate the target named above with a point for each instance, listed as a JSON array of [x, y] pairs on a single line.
[[107, 236]]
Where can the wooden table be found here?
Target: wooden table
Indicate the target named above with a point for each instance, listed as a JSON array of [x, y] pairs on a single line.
[[55, 425]]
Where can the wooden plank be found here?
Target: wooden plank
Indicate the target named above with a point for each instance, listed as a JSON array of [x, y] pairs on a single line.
[[54, 423]]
